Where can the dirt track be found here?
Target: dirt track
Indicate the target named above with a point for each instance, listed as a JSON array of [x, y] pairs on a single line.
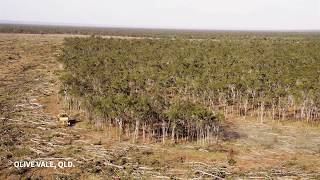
[[29, 130]]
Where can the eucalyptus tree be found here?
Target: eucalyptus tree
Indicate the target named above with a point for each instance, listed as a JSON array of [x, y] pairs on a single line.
[[157, 87]]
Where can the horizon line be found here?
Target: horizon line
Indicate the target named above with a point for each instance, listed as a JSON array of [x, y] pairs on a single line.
[[79, 25]]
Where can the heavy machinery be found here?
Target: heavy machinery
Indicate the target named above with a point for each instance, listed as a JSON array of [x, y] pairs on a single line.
[[64, 119]]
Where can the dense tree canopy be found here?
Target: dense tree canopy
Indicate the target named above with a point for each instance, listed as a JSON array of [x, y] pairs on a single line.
[[184, 87]]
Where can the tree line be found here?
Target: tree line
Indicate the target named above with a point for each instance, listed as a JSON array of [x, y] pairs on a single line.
[[152, 33], [183, 89]]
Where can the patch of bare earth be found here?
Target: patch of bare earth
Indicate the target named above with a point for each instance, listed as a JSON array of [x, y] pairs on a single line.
[[291, 148], [29, 131]]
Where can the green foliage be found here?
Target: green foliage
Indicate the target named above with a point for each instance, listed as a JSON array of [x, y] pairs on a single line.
[[185, 83]]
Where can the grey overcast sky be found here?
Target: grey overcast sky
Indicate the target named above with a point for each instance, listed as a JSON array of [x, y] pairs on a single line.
[[186, 14]]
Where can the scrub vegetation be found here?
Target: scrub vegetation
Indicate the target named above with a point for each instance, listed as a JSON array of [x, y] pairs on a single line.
[[184, 88]]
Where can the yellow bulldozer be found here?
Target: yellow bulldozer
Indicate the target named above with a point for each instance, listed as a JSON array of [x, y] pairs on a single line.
[[64, 119]]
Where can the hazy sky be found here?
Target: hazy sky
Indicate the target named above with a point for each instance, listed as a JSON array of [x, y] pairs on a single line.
[[198, 14]]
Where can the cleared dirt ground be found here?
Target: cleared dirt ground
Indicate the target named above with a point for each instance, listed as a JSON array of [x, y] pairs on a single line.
[[29, 131]]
